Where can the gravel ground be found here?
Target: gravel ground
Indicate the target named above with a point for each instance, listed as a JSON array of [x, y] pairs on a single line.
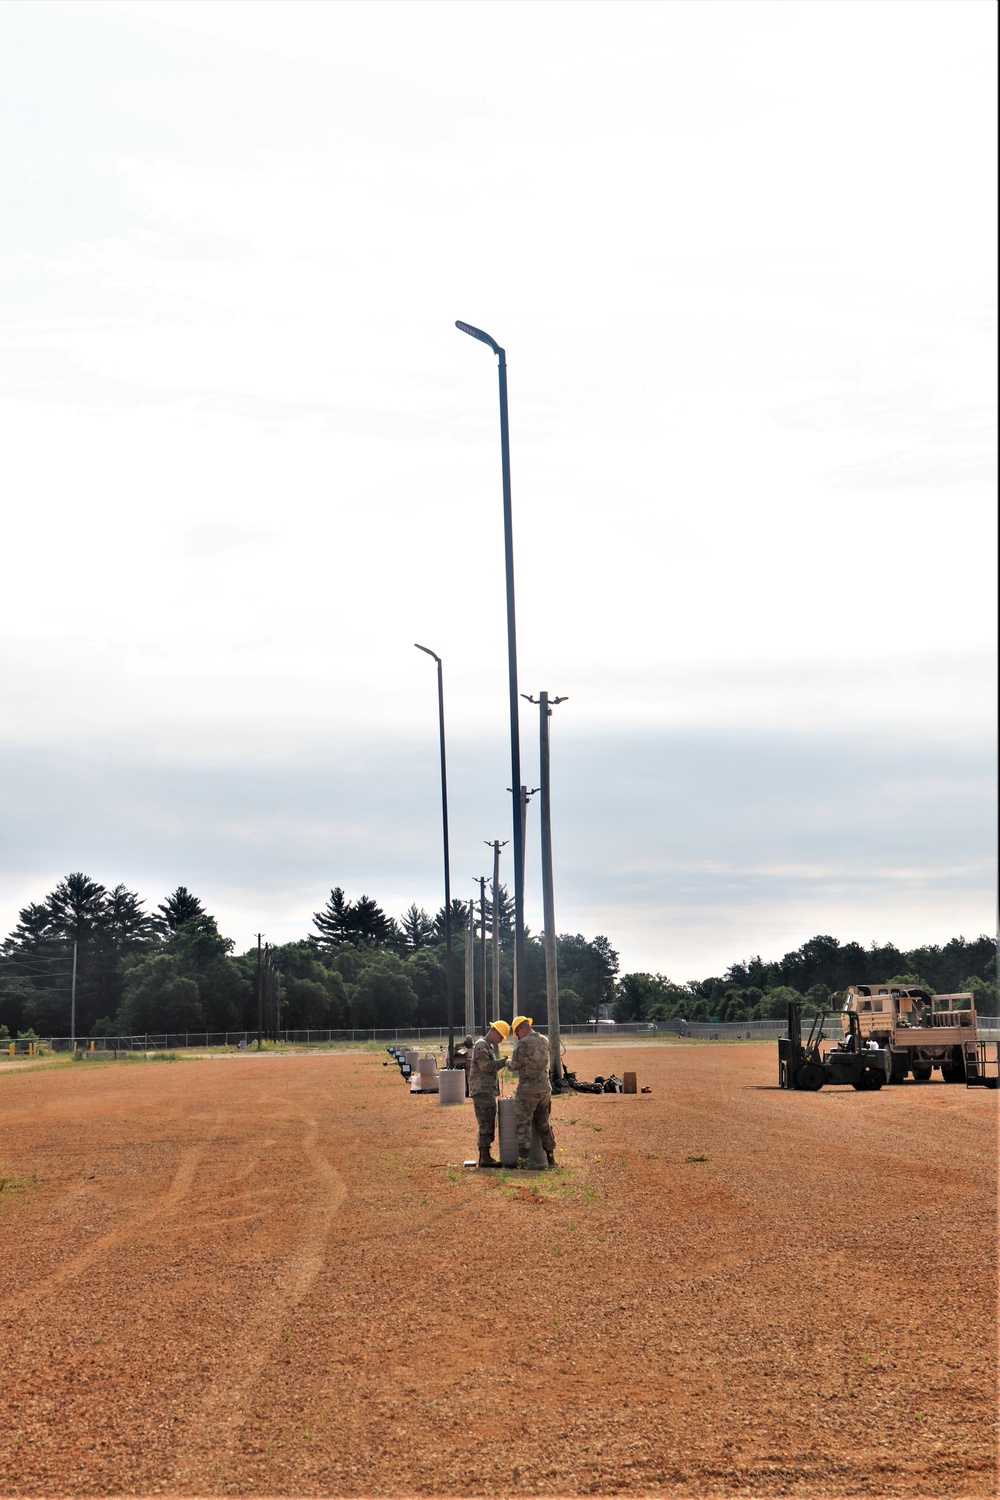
[[272, 1276]]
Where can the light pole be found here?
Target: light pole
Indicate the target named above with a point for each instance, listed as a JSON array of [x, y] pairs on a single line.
[[447, 858], [520, 971]]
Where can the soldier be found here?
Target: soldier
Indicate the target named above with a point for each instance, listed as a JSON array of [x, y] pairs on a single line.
[[484, 1087], [533, 1099]]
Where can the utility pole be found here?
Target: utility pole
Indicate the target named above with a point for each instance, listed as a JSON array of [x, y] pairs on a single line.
[[470, 971], [260, 990], [496, 846], [72, 1002], [482, 949], [277, 1002], [548, 903], [520, 964]]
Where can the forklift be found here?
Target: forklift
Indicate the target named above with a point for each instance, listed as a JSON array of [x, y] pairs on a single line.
[[801, 1065]]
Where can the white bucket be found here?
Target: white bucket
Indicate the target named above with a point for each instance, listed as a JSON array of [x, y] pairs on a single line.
[[451, 1086]]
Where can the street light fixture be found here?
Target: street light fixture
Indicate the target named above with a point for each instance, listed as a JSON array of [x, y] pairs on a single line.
[[447, 858], [520, 970]]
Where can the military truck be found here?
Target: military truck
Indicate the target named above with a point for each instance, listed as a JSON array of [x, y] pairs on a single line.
[[921, 1031]]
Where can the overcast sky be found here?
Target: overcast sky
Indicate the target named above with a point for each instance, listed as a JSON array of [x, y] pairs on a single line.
[[741, 257]]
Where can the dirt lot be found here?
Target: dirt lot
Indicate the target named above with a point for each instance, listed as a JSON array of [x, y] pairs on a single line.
[[271, 1276]]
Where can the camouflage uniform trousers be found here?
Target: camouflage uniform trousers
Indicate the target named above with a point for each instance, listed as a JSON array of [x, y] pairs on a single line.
[[532, 1104], [485, 1106]]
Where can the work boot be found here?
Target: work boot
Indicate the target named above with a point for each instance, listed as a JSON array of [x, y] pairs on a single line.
[[551, 1158], [523, 1164], [486, 1160]]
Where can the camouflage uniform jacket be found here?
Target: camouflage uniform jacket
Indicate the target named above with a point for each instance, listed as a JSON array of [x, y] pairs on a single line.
[[531, 1063], [483, 1073]]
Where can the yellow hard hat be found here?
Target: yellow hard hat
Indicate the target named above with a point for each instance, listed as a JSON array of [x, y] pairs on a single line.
[[501, 1027], [520, 1021]]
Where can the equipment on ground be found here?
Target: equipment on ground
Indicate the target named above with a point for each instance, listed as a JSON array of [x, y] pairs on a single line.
[[921, 1031], [801, 1065], [600, 1085]]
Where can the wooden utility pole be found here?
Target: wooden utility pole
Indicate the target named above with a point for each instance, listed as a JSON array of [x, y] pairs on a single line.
[[470, 972], [72, 1002], [496, 846], [521, 984], [482, 950], [548, 902], [260, 990]]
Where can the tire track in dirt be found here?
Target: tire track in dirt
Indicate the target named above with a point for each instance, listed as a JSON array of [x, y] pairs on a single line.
[[213, 1430], [166, 1205]]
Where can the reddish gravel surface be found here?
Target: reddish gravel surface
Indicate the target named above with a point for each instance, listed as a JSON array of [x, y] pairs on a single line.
[[271, 1276]]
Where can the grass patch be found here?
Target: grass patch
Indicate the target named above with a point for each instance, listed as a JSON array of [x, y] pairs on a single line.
[[696, 1158], [11, 1184]]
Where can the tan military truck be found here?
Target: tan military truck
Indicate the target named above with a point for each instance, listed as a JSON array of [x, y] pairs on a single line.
[[922, 1031]]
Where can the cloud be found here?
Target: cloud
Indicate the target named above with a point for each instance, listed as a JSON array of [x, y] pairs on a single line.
[[916, 470], [221, 540], [687, 849]]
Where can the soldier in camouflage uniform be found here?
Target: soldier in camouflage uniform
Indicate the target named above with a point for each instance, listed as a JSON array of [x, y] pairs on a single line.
[[485, 1064], [533, 1099]]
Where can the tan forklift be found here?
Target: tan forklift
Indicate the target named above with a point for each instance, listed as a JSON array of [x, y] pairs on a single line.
[[801, 1065]]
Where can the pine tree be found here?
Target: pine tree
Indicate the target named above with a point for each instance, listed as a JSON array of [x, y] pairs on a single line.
[[179, 908], [459, 918], [334, 924], [417, 928], [78, 907], [370, 923]]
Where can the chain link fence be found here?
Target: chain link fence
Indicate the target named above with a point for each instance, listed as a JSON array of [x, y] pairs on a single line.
[[750, 1031]]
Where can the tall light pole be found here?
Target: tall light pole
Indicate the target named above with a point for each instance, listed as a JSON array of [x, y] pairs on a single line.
[[447, 859], [520, 970], [548, 901]]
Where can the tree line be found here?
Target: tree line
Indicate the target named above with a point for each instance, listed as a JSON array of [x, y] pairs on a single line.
[[171, 970], [814, 974]]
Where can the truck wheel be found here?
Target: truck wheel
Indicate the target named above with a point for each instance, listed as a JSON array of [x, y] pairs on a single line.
[[900, 1068], [810, 1077], [922, 1072], [870, 1081]]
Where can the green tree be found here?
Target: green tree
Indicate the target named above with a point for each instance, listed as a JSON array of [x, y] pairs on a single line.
[[775, 1002], [384, 995], [459, 919], [416, 927], [425, 970], [180, 907], [159, 997], [334, 923], [984, 994]]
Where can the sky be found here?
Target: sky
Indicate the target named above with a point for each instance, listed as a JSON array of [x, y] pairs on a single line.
[[741, 257]]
